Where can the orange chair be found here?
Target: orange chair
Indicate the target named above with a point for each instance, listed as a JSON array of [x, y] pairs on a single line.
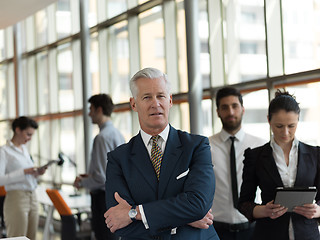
[[2, 191], [68, 221], [2, 197]]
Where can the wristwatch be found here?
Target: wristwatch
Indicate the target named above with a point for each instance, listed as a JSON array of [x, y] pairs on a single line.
[[133, 213]]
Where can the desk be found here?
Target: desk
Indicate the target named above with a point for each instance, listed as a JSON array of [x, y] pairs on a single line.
[[80, 203]]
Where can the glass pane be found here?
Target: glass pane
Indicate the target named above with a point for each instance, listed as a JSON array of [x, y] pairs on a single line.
[[43, 83], [204, 43], [94, 65], [179, 116], [93, 17], [152, 39], [5, 132], [123, 122], [10, 91], [119, 62], [255, 116], [30, 33], [65, 67], [8, 42], [115, 7], [44, 147], [67, 146], [207, 117], [2, 49], [63, 18], [3, 92], [31, 90], [182, 47], [301, 19], [41, 27], [308, 97], [244, 35]]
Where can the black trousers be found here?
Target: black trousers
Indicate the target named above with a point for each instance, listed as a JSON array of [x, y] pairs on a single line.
[[232, 233], [98, 208]]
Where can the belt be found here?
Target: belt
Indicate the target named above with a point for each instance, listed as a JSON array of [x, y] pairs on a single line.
[[233, 227], [96, 191]]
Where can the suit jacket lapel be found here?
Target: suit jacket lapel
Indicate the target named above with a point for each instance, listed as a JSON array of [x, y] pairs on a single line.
[[270, 164], [303, 157], [141, 159], [170, 158]]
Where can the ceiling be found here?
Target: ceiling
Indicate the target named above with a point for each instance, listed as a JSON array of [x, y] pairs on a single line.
[[13, 11]]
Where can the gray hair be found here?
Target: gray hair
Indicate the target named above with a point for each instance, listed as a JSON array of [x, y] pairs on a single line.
[[150, 73]]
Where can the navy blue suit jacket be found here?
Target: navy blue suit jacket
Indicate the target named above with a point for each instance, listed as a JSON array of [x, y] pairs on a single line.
[[261, 170], [173, 201]]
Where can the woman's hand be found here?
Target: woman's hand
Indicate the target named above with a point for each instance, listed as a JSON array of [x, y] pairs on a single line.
[[270, 210], [35, 171], [308, 210], [42, 170], [32, 171]]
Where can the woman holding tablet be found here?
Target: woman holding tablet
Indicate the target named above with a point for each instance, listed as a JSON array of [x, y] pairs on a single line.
[[19, 176], [283, 162]]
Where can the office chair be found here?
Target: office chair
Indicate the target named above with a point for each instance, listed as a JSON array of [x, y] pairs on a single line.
[[2, 225], [70, 228]]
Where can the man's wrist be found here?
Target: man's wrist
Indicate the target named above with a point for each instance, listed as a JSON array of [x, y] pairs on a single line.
[[138, 217]]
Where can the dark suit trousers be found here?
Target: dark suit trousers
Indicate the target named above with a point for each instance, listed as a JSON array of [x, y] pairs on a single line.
[[226, 234], [98, 208]]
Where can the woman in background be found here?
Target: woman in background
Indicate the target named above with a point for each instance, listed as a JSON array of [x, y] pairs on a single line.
[[283, 162], [19, 176]]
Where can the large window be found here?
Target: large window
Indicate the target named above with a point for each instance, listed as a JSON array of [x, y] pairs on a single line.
[[254, 45]]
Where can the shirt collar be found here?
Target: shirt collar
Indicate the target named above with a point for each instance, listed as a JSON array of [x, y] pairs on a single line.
[[107, 123], [146, 137], [225, 135], [274, 145]]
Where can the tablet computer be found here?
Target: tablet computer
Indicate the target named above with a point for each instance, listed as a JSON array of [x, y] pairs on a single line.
[[292, 197]]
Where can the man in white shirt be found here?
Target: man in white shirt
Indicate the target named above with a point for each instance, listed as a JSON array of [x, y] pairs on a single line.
[[228, 221]]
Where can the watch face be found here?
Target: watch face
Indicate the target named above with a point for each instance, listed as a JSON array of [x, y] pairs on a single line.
[[133, 213]]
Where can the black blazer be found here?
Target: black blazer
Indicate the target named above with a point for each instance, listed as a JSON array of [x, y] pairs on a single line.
[[261, 170]]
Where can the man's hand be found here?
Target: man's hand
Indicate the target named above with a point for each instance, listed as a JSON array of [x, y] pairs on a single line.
[[203, 223], [117, 217], [77, 182]]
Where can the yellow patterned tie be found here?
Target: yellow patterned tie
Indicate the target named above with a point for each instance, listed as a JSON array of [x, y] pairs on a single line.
[[156, 155]]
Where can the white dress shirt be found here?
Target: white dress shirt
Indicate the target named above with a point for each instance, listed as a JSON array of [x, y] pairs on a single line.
[[288, 173], [146, 138], [13, 161], [222, 207]]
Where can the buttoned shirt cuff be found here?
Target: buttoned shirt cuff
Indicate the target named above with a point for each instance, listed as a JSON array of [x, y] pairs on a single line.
[[143, 217]]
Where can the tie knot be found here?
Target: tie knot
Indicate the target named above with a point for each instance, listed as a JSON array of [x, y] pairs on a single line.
[[155, 138], [232, 138]]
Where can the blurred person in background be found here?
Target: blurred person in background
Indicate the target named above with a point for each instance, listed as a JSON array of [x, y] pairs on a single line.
[[101, 107], [19, 176]]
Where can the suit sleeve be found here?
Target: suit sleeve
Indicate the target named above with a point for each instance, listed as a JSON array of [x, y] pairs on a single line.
[[317, 180], [115, 182], [249, 185], [193, 202]]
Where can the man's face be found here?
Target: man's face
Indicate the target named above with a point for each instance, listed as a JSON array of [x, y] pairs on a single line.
[[152, 104], [93, 114], [230, 112]]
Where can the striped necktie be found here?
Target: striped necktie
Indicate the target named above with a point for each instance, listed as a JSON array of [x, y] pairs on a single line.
[[156, 155]]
